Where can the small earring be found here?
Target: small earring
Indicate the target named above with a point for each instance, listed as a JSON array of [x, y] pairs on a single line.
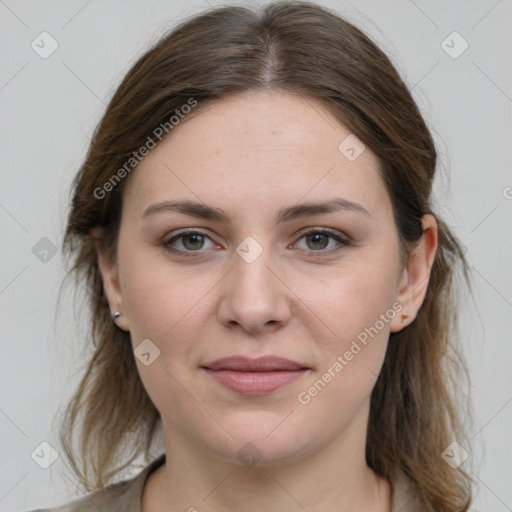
[[115, 315]]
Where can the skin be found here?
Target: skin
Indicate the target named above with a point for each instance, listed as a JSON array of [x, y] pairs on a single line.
[[303, 298]]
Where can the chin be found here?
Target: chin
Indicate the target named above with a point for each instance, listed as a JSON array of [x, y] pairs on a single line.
[[266, 440]]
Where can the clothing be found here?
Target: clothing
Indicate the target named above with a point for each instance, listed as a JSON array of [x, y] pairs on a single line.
[[126, 496]]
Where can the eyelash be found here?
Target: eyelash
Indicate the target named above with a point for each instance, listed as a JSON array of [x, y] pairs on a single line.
[[334, 235]]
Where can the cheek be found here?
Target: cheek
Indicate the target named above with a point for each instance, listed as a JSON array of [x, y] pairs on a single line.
[[160, 299], [349, 314], [169, 308], [352, 297]]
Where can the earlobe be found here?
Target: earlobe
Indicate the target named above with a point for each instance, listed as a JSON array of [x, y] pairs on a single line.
[[110, 277], [415, 278]]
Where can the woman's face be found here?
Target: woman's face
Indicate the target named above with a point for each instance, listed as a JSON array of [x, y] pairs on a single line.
[[291, 251]]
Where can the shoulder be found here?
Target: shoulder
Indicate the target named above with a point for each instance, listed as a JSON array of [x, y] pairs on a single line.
[[125, 496], [405, 496]]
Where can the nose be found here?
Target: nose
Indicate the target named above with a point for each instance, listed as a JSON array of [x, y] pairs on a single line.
[[254, 296]]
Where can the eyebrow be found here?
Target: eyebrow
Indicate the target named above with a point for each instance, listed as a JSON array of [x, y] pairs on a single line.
[[301, 210]]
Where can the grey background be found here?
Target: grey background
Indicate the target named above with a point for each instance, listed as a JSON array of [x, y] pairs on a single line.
[[49, 108]]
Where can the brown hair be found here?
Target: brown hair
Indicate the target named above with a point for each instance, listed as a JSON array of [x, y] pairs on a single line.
[[305, 49]]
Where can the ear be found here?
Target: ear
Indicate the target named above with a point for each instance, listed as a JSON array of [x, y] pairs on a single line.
[[415, 277], [110, 276]]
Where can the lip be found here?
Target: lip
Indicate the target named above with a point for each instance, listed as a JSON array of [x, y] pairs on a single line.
[[258, 364], [257, 376]]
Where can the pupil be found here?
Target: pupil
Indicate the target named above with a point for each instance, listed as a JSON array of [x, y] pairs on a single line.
[[319, 240], [193, 241]]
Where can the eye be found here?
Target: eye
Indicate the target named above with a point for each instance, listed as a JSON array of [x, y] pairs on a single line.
[[321, 240], [189, 241]]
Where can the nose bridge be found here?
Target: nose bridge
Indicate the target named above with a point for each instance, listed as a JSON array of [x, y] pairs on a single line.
[[251, 276], [253, 296], [253, 273]]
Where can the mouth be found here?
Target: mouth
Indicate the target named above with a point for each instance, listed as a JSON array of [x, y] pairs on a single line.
[[255, 376]]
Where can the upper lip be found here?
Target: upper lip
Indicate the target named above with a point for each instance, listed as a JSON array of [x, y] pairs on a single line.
[[259, 364]]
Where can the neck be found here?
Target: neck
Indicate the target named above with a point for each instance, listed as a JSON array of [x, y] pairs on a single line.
[[334, 477]]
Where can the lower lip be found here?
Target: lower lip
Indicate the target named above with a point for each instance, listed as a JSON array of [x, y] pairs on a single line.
[[255, 383]]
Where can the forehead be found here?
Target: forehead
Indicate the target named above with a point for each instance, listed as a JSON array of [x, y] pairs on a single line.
[[256, 151]]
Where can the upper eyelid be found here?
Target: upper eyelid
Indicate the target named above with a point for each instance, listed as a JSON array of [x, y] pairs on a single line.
[[302, 232], [185, 231]]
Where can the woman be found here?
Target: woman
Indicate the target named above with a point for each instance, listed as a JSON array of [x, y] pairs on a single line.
[[270, 287]]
